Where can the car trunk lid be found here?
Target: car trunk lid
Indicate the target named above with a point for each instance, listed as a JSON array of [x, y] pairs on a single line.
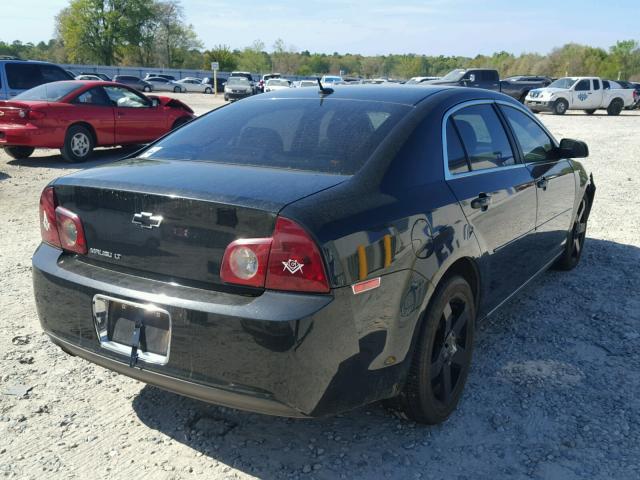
[[15, 113], [173, 220]]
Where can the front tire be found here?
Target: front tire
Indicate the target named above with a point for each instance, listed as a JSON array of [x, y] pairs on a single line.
[[615, 107], [560, 107], [208, 90], [575, 239], [146, 89], [442, 358], [179, 122], [78, 144], [177, 90], [18, 153]]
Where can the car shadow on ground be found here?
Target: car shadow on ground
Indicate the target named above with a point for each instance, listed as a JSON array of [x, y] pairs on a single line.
[[98, 157], [516, 419]]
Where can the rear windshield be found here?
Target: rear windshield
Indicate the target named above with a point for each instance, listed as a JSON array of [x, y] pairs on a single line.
[[331, 135], [50, 92]]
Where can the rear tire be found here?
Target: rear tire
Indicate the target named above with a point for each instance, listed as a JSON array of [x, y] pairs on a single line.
[[560, 107], [226, 98], [19, 153], [615, 107], [176, 90], [146, 89], [590, 111], [442, 357], [78, 144], [575, 239]]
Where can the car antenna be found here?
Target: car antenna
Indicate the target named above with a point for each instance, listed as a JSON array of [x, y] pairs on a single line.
[[324, 90]]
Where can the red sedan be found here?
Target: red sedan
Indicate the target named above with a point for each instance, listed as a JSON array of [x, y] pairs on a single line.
[[77, 116]]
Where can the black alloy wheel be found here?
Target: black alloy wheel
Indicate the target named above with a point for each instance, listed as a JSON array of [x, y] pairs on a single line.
[[443, 354], [575, 238]]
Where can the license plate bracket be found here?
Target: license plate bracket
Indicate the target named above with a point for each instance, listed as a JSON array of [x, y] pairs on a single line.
[[141, 332]]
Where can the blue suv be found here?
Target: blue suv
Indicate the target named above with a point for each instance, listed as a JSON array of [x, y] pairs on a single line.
[[16, 76]]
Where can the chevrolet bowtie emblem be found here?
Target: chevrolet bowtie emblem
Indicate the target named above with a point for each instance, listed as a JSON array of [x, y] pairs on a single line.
[[146, 220]]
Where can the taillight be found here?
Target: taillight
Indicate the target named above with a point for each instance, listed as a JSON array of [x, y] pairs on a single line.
[[48, 227], [35, 115], [59, 226], [290, 260], [245, 262], [295, 262], [70, 231]]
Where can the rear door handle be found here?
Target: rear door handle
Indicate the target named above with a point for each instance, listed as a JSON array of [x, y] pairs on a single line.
[[482, 201], [543, 183]]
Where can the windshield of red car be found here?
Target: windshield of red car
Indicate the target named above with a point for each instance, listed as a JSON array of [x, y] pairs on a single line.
[[49, 92], [331, 136]]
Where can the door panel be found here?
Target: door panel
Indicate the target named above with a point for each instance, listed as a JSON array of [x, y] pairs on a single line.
[[556, 186], [584, 96], [137, 121], [505, 229]]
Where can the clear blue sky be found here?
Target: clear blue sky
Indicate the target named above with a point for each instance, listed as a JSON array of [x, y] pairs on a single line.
[[432, 27]]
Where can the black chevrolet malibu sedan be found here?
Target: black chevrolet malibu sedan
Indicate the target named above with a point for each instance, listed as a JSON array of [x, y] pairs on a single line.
[[305, 252]]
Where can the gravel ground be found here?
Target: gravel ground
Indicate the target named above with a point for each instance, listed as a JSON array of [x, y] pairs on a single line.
[[554, 391]]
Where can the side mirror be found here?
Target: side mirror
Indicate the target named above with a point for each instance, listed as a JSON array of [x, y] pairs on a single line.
[[570, 148]]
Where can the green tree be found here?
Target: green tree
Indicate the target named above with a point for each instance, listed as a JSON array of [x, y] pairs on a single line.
[[223, 55], [254, 59]]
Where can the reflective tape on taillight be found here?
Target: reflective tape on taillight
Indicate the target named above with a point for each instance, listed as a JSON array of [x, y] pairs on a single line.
[[295, 261], [290, 260], [70, 231], [48, 227], [245, 262]]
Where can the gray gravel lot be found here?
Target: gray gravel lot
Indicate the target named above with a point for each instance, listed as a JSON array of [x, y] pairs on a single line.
[[554, 391]]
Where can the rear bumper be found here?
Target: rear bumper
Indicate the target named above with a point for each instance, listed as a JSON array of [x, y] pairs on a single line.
[[21, 135], [219, 396], [278, 353]]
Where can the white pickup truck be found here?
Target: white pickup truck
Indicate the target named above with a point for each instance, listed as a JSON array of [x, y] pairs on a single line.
[[580, 93]]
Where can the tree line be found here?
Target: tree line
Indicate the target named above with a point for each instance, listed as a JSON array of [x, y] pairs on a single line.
[[154, 33]]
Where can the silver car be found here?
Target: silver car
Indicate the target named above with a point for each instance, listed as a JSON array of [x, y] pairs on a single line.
[[192, 84], [163, 85]]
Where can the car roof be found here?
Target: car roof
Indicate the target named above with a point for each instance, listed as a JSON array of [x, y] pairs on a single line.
[[394, 93]]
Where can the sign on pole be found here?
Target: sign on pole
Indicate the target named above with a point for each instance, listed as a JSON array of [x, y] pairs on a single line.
[[215, 66]]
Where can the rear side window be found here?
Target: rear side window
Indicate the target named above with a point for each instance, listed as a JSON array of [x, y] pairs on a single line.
[[332, 136], [455, 153], [596, 84], [95, 96], [23, 76], [483, 137], [534, 141], [490, 76], [583, 85]]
